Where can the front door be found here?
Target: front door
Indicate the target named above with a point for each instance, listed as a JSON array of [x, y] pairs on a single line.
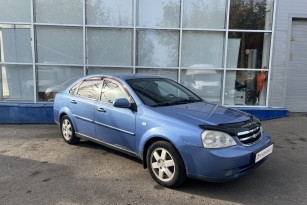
[[115, 126]]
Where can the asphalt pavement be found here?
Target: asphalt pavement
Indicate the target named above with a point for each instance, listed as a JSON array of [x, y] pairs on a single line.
[[38, 167]]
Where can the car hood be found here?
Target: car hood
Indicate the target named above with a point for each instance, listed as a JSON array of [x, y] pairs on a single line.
[[204, 113]]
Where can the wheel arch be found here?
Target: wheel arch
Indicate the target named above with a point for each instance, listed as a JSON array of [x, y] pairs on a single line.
[[148, 143], [65, 111], [152, 140]]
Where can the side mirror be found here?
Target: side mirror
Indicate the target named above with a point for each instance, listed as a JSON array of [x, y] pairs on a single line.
[[122, 103]]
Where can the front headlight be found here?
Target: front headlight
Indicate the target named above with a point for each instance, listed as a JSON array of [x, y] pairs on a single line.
[[216, 139]]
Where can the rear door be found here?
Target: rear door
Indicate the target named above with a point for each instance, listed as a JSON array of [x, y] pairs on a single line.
[[115, 126], [82, 106]]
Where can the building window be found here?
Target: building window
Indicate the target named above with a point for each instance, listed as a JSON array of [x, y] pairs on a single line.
[[158, 13], [15, 11], [206, 83], [164, 72], [245, 87], [15, 43], [16, 83], [207, 14], [59, 11], [109, 12], [54, 79], [251, 15], [157, 48], [107, 46], [248, 50], [61, 45], [220, 49], [202, 49]]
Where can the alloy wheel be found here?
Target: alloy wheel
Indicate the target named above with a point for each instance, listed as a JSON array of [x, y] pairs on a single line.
[[66, 129], [162, 164]]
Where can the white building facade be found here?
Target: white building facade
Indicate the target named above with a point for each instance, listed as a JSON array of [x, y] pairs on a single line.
[[289, 67], [238, 53]]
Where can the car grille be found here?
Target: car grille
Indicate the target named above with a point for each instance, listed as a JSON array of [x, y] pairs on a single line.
[[250, 137]]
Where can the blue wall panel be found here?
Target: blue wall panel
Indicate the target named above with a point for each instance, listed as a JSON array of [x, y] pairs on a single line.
[[26, 113], [23, 113]]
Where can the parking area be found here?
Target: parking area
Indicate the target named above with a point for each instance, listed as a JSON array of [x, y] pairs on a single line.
[[38, 167]]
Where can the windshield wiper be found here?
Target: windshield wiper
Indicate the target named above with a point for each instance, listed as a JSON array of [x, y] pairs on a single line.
[[186, 101], [175, 103]]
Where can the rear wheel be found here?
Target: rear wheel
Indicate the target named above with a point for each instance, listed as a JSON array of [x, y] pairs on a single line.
[[165, 164], [68, 131]]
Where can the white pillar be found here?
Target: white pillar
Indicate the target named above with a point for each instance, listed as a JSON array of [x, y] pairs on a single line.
[[266, 49]]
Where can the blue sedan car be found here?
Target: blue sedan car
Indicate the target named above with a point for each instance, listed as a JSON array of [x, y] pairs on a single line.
[[174, 132]]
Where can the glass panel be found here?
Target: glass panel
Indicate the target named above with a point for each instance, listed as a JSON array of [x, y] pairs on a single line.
[[15, 45], [245, 88], [204, 14], [207, 84], [102, 70], [59, 11], [16, 83], [248, 50], [254, 15], [89, 88], [167, 73], [74, 89], [157, 48], [53, 79], [15, 11], [110, 46], [202, 49], [158, 13], [161, 92], [106, 12], [112, 90], [59, 45]]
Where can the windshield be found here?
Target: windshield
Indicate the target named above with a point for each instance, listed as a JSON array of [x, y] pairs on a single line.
[[162, 92]]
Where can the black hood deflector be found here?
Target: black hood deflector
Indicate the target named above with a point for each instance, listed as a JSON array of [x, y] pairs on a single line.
[[234, 128]]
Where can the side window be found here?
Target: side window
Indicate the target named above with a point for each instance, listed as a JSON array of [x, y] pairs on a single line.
[[89, 88], [112, 90], [74, 89]]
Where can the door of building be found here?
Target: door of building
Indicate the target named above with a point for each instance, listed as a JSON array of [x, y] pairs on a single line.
[[296, 89]]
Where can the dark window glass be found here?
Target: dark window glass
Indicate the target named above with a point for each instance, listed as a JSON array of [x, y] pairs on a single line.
[[162, 92], [89, 88], [251, 14], [112, 90], [248, 50]]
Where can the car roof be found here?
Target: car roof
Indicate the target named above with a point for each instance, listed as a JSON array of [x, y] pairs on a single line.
[[125, 76]]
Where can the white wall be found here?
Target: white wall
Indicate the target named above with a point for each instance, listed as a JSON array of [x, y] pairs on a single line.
[[285, 10]]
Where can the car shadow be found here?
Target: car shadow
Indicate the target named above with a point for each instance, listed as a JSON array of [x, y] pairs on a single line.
[[260, 186], [106, 150]]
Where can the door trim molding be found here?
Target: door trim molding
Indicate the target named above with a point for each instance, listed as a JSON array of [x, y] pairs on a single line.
[[121, 149], [114, 128]]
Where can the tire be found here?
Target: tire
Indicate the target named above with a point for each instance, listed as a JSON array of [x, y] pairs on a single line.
[[68, 131], [165, 164], [247, 94]]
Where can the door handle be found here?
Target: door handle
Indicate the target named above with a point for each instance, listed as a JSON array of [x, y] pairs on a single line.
[[73, 102], [100, 109]]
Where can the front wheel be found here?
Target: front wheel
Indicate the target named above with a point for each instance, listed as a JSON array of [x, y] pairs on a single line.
[[165, 164], [68, 131]]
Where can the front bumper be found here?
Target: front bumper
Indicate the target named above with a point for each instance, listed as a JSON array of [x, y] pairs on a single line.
[[219, 165]]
